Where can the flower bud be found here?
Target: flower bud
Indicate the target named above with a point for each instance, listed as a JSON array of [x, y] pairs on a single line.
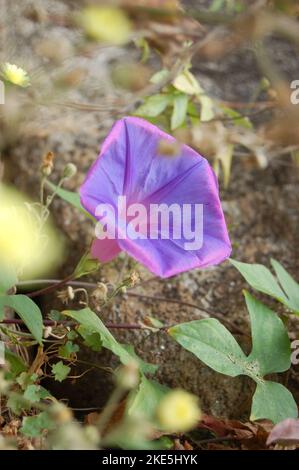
[[47, 164], [100, 293], [69, 171]]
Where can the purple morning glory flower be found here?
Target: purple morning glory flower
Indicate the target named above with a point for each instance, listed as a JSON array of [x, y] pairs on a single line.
[[181, 225]]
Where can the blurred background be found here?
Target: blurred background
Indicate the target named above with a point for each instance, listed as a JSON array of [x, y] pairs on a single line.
[[221, 76]]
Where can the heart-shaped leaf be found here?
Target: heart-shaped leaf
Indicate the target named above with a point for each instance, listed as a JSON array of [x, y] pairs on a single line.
[[271, 347], [273, 401], [212, 343], [260, 278]]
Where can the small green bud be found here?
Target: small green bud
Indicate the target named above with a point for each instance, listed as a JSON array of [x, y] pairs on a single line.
[[69, 171]]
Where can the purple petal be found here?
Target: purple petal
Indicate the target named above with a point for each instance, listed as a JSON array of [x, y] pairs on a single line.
[[130, 165]]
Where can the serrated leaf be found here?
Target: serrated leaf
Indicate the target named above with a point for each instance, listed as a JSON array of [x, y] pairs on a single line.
[[34, 425], [145, 401], [178, 117], [68, 349], [92, 322], [60, 371], [154, 105], [271, 347], [261, 279], [273, 401], [212, 343], [35, 393], [27, 310], [289, 285]]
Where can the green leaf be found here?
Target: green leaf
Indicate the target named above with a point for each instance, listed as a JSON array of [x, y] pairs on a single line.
[[271, 346], [92, 322], [35, 393], [187, 83], [207, 108], [68, 349], [69, 196], [60, 371], [261, 279], [237, 118], [145, 401], [17, 403], [224, 156], [213, 344], [289, 285], [145, 367], [91, 340], [159, 76], [87, 265], [154, 105], [8, 278], [273, 401], [27, 310], [16, 365], [216, 5], [34, 425], [178, 117]]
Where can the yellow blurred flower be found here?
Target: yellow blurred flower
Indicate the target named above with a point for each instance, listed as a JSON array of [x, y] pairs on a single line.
[[178, 411], [107, 24], [30, 247], [16, 75]]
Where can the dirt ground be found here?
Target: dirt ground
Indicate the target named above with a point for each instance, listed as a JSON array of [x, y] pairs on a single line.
[[261, 206]]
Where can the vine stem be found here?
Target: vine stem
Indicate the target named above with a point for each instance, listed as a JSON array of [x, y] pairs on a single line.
[[204, 311], [54, 285], [120, 326]]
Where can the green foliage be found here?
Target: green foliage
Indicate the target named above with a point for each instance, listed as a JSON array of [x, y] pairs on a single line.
[[35, 393], [177, 101], [89, 320], [145, 400], [154, 105], [16, 364], [212, 343], [68, 350], [69, 196], [33, 426], [27, 310], [60, 371], [87, 265], [283, 288], [273, 401], [8, 278], [91, 340]]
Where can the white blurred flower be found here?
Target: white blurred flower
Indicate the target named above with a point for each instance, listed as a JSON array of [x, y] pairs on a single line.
[[16, 75]]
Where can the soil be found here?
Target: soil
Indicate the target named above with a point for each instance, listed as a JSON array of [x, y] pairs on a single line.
[[261, 206]]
